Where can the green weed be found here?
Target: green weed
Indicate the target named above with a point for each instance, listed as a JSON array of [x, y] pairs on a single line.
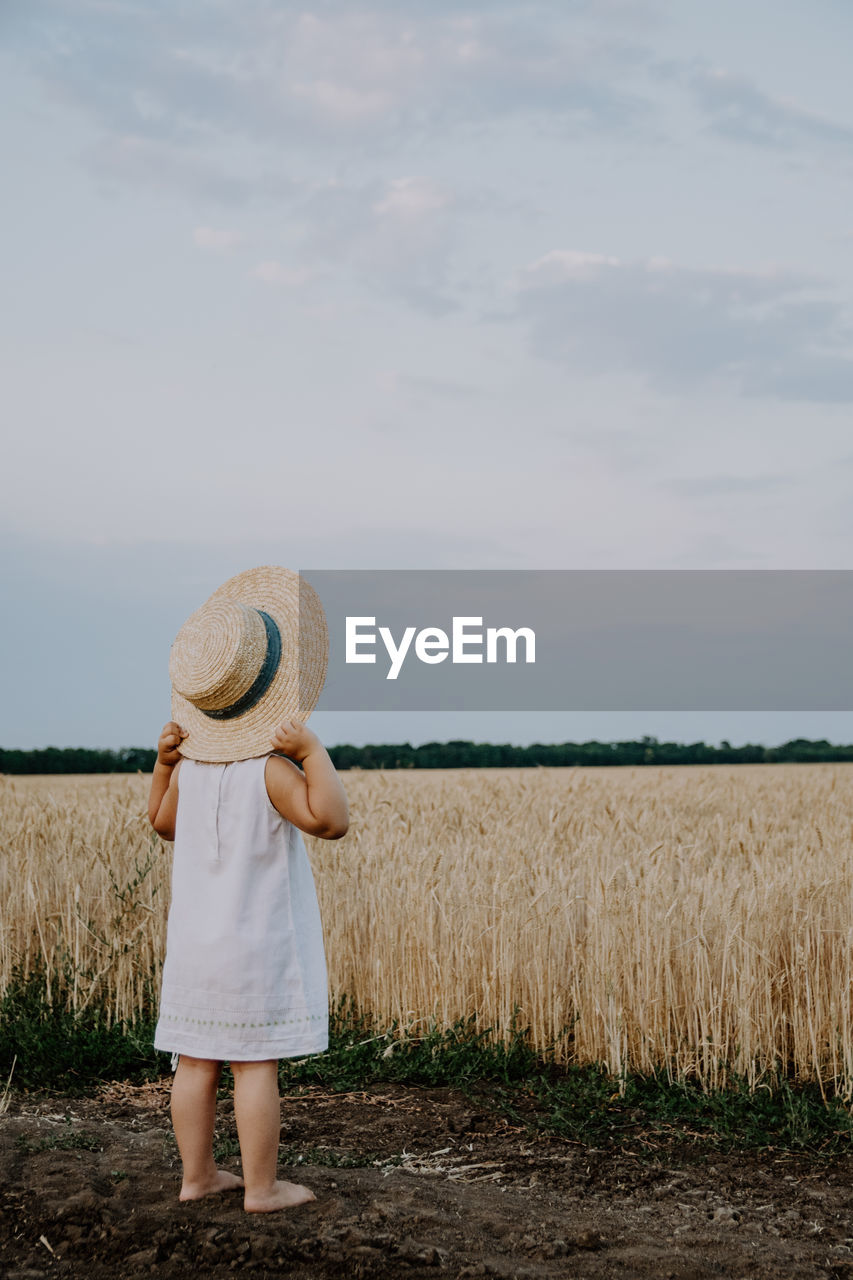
[[68, 1140], [65, 1054], [56, 1049]]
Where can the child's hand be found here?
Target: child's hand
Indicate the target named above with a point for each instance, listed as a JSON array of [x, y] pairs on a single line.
[[294, 739], [167, 746]]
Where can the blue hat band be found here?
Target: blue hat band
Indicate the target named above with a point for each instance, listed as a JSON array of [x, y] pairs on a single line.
[[264, 678]]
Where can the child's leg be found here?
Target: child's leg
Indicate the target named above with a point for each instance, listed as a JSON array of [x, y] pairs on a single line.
[[193, 1115], [256, 1110]]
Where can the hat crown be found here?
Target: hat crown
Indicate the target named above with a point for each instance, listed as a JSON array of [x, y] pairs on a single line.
[[239, 670], [217, 654]]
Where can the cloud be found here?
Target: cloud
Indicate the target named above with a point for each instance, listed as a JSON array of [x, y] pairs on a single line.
[[715, 486], [129, 159], [765, 332], [216, 240], [429, 388], [411, 199], [736, 108], [397, 235], [284, 76], [273, 272], [340, 103], [121, 160]]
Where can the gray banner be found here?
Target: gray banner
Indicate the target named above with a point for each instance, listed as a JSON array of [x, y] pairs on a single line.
[[587, 640]]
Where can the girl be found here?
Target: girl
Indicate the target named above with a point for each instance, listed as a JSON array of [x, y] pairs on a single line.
[[244, 979]]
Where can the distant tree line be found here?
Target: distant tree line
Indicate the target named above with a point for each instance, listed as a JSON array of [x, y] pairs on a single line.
[[457, 754], [78, 760]]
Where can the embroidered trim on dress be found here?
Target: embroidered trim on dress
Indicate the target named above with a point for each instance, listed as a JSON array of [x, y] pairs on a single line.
[[218, 1022]]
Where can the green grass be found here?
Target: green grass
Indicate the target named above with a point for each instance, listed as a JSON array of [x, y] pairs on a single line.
[[61, 1053], [582, 1104], [69, 1139], [56, 1050]]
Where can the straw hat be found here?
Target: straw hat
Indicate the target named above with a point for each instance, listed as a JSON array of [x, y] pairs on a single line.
[[253, 655]]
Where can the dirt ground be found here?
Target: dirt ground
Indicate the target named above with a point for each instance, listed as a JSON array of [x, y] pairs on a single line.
[[409, 1182]]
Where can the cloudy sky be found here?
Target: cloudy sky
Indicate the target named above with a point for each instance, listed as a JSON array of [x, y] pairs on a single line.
[[340, 285]]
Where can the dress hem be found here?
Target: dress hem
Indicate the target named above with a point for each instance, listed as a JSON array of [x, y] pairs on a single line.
[[257, 1052]]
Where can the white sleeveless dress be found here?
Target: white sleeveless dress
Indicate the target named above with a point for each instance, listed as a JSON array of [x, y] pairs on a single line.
[[244, 977]]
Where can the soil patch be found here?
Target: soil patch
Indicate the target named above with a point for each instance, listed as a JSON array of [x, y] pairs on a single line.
[[410, 1182]]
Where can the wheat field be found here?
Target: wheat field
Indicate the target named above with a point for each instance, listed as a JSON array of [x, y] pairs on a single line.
[[696, 919]]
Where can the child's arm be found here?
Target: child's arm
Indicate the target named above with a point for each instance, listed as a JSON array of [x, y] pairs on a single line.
[[163, 797], [312, 798]]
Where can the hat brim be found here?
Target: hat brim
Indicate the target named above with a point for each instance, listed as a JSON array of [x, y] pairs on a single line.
[[295, 688]]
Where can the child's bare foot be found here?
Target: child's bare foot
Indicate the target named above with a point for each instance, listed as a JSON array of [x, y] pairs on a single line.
[[281, 1195], [220, 1181]]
